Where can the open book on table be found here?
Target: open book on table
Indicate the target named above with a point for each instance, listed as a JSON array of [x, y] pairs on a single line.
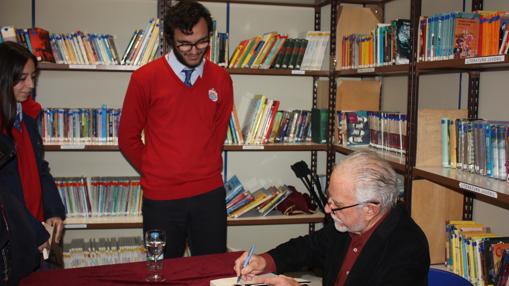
[[230, 281]]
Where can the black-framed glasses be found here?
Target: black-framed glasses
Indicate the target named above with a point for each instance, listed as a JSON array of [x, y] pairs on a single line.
[[334, 210], [200, 45]]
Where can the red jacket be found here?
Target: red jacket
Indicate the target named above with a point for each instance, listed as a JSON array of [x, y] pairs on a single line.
[[184, 129]]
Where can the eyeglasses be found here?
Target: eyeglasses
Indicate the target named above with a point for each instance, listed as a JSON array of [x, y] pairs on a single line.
[[200, 45], [334, 210]]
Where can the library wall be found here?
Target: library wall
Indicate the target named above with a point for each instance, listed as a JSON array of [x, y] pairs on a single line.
[[451, 91], [91, 89]]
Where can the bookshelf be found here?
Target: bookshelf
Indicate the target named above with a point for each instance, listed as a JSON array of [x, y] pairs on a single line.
[[110, 84], [228, 147], [137, 221], [62, 85], [433, 193]]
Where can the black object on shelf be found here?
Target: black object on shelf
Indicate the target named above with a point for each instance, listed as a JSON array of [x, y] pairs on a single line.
[[310, 180]]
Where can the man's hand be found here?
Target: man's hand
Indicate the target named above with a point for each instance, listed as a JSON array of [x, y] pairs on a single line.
[[58, 224], [279, 280], [43, 246], [256, 266]]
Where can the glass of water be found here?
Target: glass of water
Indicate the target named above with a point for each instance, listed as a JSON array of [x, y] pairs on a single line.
[[155, 241]]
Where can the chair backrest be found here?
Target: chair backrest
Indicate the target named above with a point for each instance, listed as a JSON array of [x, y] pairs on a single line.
[[437, 277]]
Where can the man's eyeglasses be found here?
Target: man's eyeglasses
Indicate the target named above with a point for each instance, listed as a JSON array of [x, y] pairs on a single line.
[[200, 45], [334, 210]]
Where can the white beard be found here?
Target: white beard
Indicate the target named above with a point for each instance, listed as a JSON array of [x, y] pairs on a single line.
[[338, 224], [341, 227]]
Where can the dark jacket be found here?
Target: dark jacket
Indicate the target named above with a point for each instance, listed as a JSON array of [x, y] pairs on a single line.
[[18, 243], [11, 182], [397, 253]]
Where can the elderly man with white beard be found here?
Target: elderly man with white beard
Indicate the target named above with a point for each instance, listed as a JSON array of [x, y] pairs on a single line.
[[372, 240]]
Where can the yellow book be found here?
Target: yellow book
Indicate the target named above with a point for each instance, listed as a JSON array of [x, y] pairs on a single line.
[[268, 40], [256, 124], [260, 196], [237, 53], [151, 42]]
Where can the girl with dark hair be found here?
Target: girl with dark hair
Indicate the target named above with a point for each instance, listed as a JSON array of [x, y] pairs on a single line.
[[26, 177]]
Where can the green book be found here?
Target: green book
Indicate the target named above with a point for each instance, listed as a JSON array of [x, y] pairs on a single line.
[[319, 125]]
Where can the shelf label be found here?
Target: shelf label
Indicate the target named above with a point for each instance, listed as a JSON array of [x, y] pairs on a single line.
[[298, 72], [478, 190], [76, 226], [87, 67], [253, 147], [72, 146], [366, 70], [485, 60]]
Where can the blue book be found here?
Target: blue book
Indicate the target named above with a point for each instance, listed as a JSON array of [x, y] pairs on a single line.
[[233, 187], [104, 123]]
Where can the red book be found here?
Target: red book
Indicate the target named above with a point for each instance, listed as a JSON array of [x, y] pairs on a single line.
[[41, 47]]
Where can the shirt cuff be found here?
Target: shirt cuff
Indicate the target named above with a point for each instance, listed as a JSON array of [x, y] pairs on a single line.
[[270, 263]]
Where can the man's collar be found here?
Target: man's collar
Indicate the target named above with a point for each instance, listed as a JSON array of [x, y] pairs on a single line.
[[177, 66]]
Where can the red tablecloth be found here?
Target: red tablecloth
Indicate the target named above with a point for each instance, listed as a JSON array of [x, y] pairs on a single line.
[[196, 270]]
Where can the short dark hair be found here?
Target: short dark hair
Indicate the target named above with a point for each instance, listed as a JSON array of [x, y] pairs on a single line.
[[184, 16], [13, 58]]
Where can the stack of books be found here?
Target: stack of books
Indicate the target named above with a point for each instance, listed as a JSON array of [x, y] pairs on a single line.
[[476, 254], [377, 129], [265, 123], [277, 51], [143, 46], [388, 44], [463, 35], [240, 202], [80, 125], [100, 196], [477, 146], [103, 251]]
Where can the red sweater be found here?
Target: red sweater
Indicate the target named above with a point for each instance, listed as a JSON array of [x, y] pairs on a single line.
[[184, 129]]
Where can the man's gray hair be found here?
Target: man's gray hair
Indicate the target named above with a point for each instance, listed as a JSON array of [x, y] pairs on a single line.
[[373, 178]]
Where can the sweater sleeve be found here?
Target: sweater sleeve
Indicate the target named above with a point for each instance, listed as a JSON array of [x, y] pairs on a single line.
[[224, 113], [52, 203], [132, 122]]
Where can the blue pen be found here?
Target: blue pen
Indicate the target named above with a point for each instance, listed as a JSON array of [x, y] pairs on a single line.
[[246, 262]]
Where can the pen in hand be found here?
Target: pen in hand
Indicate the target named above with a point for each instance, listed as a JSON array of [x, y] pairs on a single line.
[[246, 262]]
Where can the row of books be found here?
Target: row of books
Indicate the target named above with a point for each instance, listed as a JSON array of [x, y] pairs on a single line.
[[477, 146], [100, 196], [476, 254], [387, 44], [241, 202], [264, 123], [80, 125], [273, 50], [103, 251], [461, 35], [378, 129], [87, 49], [83, 49], [143, 46]]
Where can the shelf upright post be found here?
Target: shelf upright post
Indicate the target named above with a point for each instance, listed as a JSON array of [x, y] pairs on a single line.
[[477, 5], [413, 102], [331, 154], [473, 113], [314, 154], [162, 8]]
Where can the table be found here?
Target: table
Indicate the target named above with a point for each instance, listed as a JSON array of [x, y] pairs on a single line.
[[196, 270]]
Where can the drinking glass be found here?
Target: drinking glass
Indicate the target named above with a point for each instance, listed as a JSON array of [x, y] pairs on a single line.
[[155, 241]]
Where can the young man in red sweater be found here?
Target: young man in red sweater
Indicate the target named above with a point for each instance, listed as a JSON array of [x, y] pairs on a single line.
[[181, 103]]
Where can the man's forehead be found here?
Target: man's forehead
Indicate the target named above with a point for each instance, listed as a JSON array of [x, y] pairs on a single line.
[[340, 185]]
